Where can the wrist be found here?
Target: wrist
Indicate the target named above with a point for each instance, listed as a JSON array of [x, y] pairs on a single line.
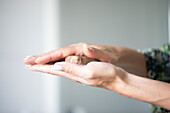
[[119, 83], [123, 85]]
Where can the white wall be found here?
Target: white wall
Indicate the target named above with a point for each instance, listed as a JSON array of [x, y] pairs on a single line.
[[130, 23], [20, 89], [50, 35]]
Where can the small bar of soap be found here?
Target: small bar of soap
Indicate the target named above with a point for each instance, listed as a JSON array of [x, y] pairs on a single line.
[[83, 60]]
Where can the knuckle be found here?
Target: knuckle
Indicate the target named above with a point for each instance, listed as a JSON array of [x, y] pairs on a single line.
[[109, 60], [90, 84], [81, 43], [90, 74], [96, 83], [72, 45], [69, 69], [78, 44], [51, 57]]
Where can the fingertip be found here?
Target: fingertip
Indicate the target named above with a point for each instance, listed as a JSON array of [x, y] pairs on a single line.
[[28, 57], [29, 60], [28, 66], [25, 60]]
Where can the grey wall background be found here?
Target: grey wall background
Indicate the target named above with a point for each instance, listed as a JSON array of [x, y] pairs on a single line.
[[115, 22], [130, 23], [20, 89]]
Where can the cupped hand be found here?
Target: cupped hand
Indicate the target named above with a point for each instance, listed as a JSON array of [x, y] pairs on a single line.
[[97, 74], [101, 53]]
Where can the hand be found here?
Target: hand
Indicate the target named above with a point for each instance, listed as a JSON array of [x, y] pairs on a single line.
[[102, 53], [128, 59], [97, 74]]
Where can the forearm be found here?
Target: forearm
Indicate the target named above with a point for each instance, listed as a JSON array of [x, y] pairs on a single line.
[[143, 89], [131, 60]]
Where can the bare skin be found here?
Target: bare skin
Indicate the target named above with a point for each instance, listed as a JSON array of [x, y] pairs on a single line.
[[104, 74], [129, 59]]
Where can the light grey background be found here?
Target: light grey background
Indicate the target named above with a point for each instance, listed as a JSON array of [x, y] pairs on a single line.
[[130, 23], [20, 89]]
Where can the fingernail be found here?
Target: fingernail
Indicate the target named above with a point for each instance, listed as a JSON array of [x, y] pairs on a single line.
[[37, 60], [89, 47], [27, 57], [57, 68], [27, 66]]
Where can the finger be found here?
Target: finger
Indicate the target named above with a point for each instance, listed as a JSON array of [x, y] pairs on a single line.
[[50, 69], [50, 56], [58, 54], [96, 53], [30, 60], [74, 69]]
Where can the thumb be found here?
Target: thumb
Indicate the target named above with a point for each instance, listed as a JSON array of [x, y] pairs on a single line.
[[93, 52], [71, 68]]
